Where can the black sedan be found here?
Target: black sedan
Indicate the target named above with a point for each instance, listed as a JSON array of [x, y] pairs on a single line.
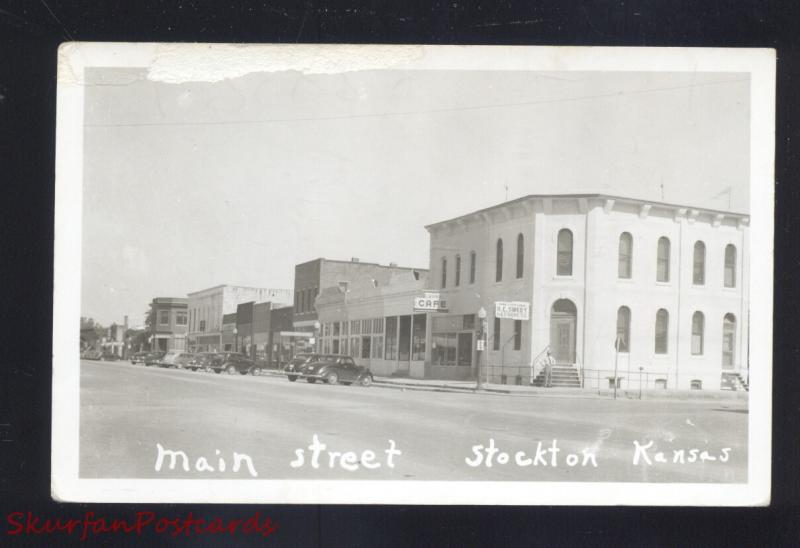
[[232, 363], [296, 366], [335, 369]]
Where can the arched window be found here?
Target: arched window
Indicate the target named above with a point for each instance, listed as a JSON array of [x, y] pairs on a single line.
[[662, 331], [520, 255], [699, 270], [728, 340], [444, 272], [458, 271], [625, 255], [730, 265], [472, 260], [698, 330], [662, 262], [498, 274], [564, 258], [624, 329]]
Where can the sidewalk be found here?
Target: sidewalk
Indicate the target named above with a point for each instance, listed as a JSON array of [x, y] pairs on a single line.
[[465, 387]]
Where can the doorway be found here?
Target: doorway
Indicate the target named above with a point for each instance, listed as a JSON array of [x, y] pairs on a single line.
[[563, 324]]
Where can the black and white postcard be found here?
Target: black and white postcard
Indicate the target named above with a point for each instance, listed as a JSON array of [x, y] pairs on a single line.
[[413, 274]]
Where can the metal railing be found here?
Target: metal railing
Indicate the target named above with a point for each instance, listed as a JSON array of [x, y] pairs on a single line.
[[602, 379]]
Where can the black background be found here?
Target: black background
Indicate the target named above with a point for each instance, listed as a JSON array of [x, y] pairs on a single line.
[[30, 32]]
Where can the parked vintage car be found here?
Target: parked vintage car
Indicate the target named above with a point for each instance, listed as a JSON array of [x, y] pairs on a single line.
[[91, 355], [295, 367], [232, 363], [153, 358], [335, 369], [203, 361], [138, 357], [108, 357], [177, 359]]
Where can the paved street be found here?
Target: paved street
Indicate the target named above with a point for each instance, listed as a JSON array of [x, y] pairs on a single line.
[[126, 410]]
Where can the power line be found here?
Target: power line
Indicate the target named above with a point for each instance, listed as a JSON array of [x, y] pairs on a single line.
[[419, 112]]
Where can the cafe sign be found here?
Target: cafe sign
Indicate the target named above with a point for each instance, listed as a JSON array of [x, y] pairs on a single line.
[[430, 302], [512, 310]]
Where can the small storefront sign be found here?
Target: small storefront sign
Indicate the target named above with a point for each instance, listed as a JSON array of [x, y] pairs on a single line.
[[481, 345], [512, 310], [430, 302]]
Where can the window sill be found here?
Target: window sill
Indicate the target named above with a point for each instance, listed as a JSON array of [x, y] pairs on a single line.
[[664, 284], [558, 278]]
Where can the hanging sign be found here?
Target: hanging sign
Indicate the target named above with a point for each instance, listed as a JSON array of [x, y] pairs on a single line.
[[512, 310]]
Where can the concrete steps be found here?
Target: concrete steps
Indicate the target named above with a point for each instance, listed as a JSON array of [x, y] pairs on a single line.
[[561, 376]]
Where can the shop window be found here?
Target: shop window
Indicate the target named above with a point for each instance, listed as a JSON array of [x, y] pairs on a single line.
[[698, 333], [625, 266], [366, 347], [730, 265], [355, 346], [496, 335], [468, 321], [377, 347], [624, 329], [335, 329], [391, 338], [404, 339], [520, 255], [444, 272], [728, 340], [335, 346], [377, 326], [517, 334], [355, 327], [498, 273], [457, 274], [418, 337], [366, 327], [662, 261], [564, 250], [662, 331], [472, 266], [444, 348], [661, 384], [699, 264]]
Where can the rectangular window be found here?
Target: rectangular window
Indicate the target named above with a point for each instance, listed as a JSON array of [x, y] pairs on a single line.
[[335, 329], [355, 327], [202, 325], [377, 326], [458, 271], [377, 347], [355, 346], [444, 349], [444, 272], [163, 317], [366, 327], [662, 330], [496, 335], [391, 338], [302, 301], [404, 344], [365, 347], [662, 263], [335, 346], [180, 318], [297, 301], [472, 260], [517, 334], [418, 338], [469, 321]]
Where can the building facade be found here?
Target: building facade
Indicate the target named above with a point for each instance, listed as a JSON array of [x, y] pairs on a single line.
[[376, 324], [641, 291], [168, 323], [311, 277], [208, 310]]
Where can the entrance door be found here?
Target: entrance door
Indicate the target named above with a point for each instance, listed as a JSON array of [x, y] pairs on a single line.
[[563, 322], [465, 349]]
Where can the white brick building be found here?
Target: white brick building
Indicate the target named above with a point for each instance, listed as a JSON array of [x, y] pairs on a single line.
[[670, 281]]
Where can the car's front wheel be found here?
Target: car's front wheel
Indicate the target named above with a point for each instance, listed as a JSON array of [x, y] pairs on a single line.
[[231, 370], [331, 378], [366, 380], [311, 381], [255, 371], [292, 378]]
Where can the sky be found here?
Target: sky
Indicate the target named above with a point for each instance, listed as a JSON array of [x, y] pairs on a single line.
[[192, 185]]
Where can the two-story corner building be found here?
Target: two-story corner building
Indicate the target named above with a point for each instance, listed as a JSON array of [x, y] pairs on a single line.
[[656, 292], [208, 308], [168, 322], [311, 277]]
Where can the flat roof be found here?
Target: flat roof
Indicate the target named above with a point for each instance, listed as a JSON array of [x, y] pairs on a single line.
[[589, 196], [344, 261], [239, 287]]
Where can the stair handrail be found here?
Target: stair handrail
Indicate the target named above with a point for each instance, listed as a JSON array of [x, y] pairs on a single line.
[[535, 362]]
